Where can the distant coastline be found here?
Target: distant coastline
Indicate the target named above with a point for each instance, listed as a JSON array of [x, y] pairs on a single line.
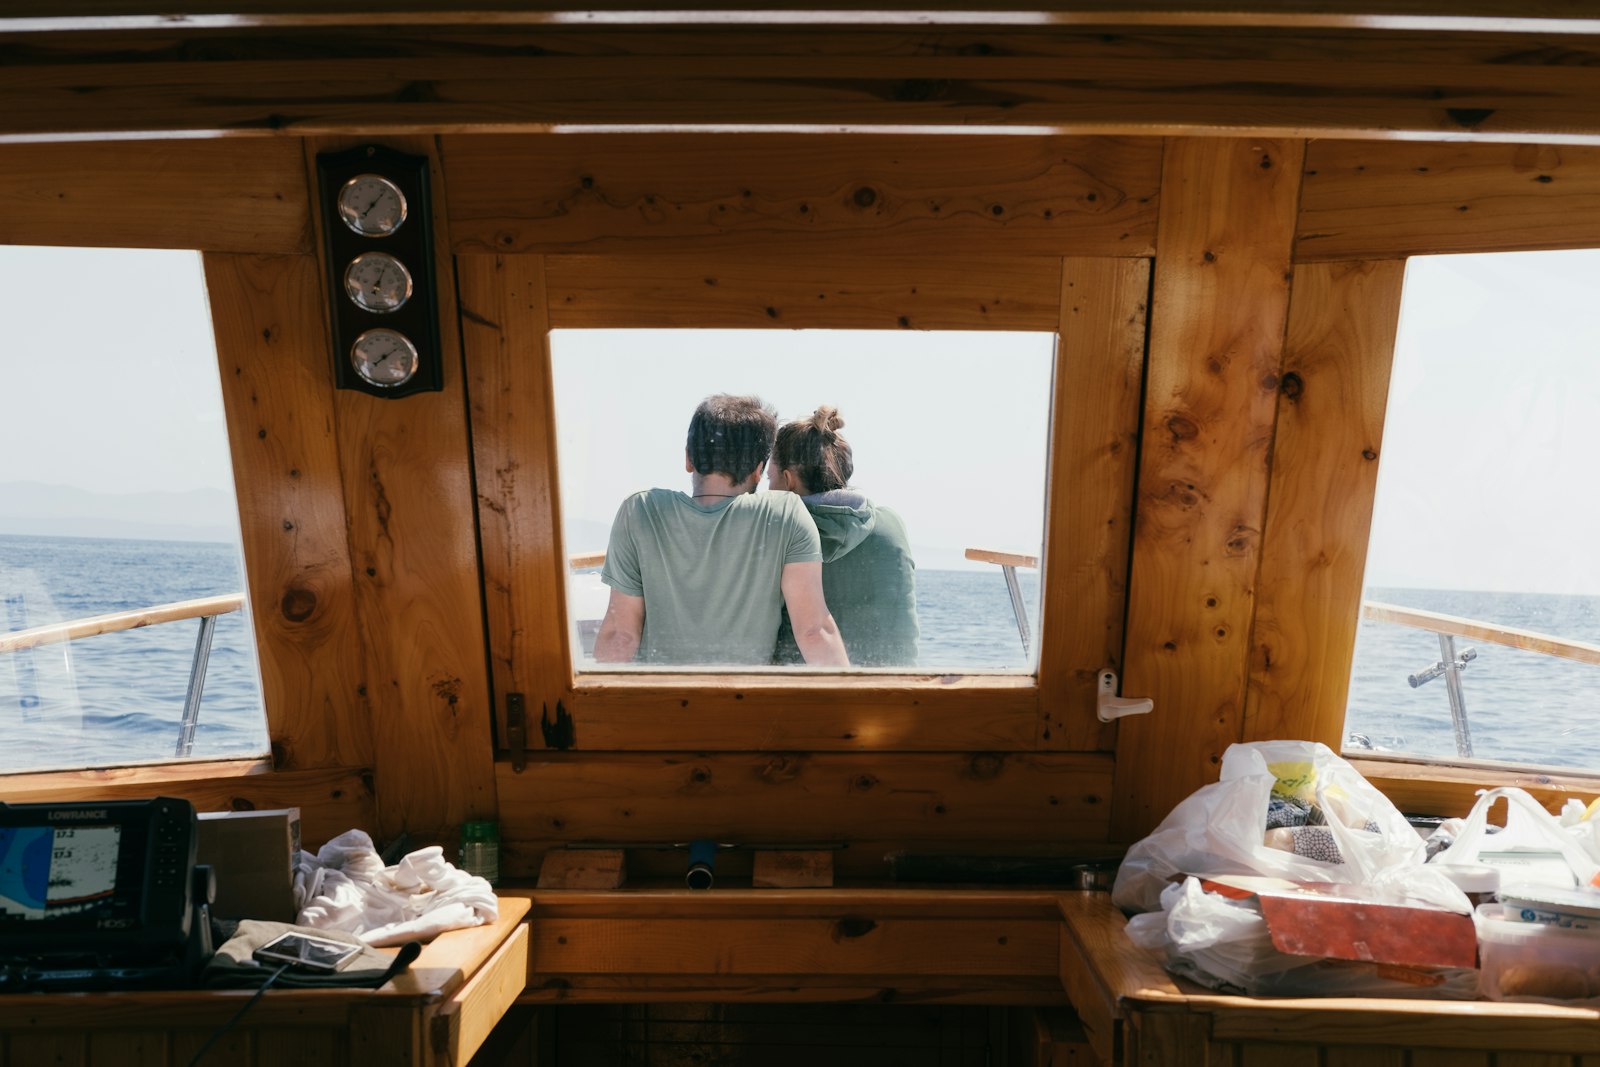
[[34, 509]]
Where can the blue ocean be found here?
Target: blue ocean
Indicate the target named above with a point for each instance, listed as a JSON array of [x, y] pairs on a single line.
[[118, 698]]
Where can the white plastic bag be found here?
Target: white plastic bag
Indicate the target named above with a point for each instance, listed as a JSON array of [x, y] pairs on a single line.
[[1529, 829], [1220, 829]]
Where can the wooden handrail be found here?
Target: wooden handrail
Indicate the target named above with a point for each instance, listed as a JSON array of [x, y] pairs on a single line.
[[1509, 636], [1004, 559], [120, 620], [585, 560]]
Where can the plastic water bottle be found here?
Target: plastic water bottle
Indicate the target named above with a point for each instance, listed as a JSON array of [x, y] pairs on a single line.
[[480, 849]]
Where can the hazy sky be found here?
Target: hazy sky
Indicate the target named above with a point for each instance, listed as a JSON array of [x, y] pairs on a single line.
[[108, 371], [1487, 480]]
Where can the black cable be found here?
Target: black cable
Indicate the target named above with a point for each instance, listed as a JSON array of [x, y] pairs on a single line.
[[229, 1025]]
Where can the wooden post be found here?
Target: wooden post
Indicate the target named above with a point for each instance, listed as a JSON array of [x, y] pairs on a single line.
[[1216, 338]]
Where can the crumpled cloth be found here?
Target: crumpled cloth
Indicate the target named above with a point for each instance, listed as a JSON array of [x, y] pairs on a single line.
[[345, 886]]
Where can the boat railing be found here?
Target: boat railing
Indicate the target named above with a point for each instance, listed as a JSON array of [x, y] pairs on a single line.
[[1452, 663], [1008, 562], [206, 609]]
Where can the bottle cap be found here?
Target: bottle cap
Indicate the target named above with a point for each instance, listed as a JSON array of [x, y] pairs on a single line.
[[480, 830]]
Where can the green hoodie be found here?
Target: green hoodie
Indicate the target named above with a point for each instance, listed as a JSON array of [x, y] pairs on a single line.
[[868, 578]]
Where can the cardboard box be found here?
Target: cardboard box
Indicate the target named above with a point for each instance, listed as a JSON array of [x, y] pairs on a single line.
[[252, 854]]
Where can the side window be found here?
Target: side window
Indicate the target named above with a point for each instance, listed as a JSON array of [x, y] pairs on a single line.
[[123, 634], [922, 541], [1480, 632]]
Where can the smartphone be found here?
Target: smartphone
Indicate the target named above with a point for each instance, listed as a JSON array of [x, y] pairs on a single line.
[[306, 952]]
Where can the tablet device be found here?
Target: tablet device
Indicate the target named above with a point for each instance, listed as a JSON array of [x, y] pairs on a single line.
[[306, 952]]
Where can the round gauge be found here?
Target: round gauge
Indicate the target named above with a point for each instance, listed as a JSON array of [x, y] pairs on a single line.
[[377, 282], [384, 357], [372, 205]]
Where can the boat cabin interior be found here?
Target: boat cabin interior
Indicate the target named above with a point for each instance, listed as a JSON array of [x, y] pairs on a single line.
[[1207, 211]]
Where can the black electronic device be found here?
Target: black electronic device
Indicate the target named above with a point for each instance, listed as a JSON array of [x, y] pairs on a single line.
[[100, 893]]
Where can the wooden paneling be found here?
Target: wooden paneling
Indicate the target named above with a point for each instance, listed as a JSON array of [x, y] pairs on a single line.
[[714, 713], [1365, 200], [1035, 804], [1451, 790], [1099, 373], [216, 196], [1342, 322], [1216, 335], [746, 291], [759, 193], [331, 800], [407, 473], [504, 334], [272, 354], [1118, 79]]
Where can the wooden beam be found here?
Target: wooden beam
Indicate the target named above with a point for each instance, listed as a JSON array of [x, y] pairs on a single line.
[[504, 331], [1221, 299], [1099, 374], [711, 194], [276, 379], [1342, 323], [1121, 79], [747, 291], [215, 196], [1388, 201], [409, 506]]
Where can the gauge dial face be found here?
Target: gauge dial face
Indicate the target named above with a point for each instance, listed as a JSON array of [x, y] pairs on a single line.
[[372, 205], [384, 357], [377, 282]]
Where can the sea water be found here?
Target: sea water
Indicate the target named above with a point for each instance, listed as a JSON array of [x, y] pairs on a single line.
[[118, 698]]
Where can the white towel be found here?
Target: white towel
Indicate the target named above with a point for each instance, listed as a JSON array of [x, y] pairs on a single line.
[[345, 886]]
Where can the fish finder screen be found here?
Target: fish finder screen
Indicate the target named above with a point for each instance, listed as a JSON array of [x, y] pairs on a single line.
[[66, 872]]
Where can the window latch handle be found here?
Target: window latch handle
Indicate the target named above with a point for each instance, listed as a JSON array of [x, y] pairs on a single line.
[[1109, 707]]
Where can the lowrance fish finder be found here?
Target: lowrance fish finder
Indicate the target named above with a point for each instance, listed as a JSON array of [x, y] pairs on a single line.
[[97, 895]]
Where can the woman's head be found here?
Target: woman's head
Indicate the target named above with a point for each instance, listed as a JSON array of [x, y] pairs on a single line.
[[809, 456]]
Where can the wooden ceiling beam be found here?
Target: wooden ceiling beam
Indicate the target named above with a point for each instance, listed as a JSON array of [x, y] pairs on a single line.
[[1208, 81]]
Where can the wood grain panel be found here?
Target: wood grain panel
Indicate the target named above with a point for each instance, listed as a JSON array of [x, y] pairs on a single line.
[[1463, 1025], [760, 193], [128, 1048], [881, 988], [1099, 374], [1028, 803], [272, 356], [409, 503], [745, 291], [1420, 786], [1342, 323], [216, 196], [53, 1047], [504, 338], [1216, 338], [1207, 81], [812, 947], [717, 713], [331, 800], [1376, 201]]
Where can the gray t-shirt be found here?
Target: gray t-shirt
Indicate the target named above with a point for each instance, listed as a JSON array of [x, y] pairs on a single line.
[[709, 574]]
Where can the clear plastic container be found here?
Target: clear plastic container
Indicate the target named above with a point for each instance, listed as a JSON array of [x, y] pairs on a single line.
[[480, 849], [1538, 960]]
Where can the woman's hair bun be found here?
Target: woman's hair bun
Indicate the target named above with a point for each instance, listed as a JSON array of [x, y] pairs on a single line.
[[827, 419]]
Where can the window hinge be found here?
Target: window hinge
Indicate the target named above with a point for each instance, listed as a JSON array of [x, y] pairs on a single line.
[[517, 731]]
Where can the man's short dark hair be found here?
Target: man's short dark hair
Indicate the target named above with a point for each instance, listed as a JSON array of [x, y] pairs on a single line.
[[731, 435]]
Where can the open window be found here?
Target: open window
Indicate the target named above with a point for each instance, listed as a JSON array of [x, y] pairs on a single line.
[[123, 637], [931, 548], [1480, 631]]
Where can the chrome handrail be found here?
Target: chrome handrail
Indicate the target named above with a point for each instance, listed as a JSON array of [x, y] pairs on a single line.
[[206, 609], [1451, 663]]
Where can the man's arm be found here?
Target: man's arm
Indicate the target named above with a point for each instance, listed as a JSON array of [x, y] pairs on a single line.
[[618, 638], [814, 629]]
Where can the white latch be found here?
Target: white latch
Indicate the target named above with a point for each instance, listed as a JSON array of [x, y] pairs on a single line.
[[1110, 707]]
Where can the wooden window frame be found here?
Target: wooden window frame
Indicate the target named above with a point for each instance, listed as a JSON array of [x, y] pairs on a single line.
[[1093, 306]]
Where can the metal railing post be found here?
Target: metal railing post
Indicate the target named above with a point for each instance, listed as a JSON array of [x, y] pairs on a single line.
[[197, 684], [1015, 589], [1458, 698]]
